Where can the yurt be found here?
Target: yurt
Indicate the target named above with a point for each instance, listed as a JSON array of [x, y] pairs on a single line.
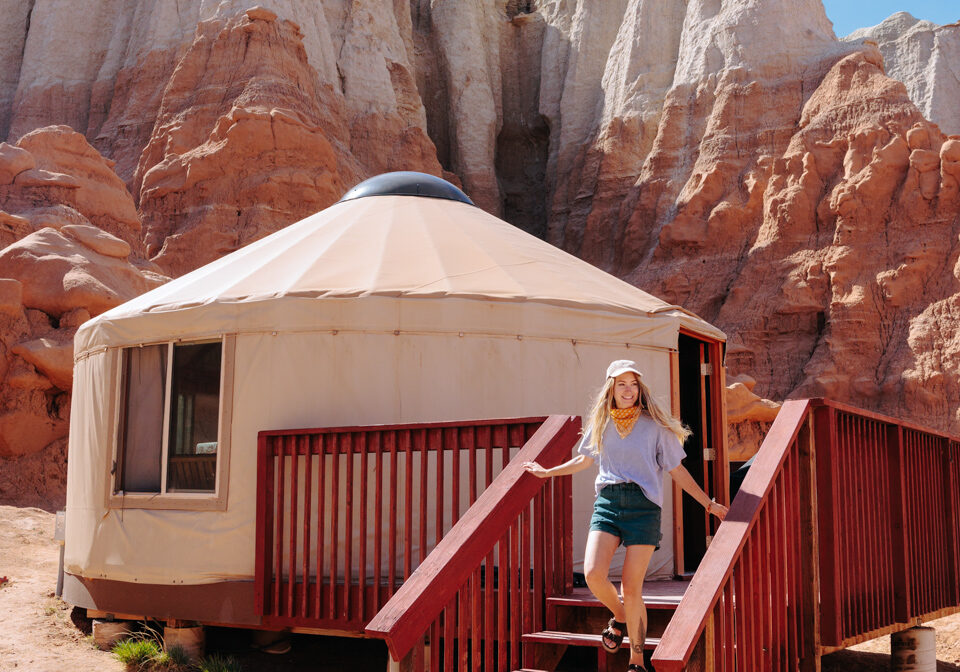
[[401, 303]]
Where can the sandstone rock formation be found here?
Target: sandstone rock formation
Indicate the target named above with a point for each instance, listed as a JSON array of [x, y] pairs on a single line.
[[733, 157], [71, 235], [924, 56]]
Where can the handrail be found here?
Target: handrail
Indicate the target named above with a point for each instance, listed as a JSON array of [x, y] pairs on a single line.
[[405, 618], [687, 625]]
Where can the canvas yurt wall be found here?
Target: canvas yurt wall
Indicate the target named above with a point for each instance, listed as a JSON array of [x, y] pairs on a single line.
[[384, 309]]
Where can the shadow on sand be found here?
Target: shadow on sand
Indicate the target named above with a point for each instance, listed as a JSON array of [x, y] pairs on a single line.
[[863, 661]]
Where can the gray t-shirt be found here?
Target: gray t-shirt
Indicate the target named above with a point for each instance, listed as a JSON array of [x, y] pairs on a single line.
[[641, 458]]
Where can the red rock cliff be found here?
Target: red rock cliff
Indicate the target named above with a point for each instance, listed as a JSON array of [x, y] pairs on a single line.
[[735, 158]]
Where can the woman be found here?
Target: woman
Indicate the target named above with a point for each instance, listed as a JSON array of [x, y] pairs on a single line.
[[632, 452]]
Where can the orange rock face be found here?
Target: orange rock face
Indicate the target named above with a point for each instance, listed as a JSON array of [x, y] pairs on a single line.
[[241, 146], [71, 236], [248, 140], [831, 260], [734, 158]]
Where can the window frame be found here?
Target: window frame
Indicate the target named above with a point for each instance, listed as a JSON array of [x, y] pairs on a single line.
[[176, 500]]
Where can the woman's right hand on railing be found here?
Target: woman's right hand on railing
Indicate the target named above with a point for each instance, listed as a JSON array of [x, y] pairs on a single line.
[[536, 469]]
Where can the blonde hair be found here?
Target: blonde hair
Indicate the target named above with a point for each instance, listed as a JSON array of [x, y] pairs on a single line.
[[599, 414]]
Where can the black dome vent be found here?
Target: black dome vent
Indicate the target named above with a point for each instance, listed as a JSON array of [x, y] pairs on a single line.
[[407, 183]]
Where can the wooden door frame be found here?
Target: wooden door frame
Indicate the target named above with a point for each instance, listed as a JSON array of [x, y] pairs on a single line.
[[718, 435]]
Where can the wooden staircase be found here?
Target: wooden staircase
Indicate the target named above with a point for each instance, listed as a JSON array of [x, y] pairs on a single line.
[[571, 640]]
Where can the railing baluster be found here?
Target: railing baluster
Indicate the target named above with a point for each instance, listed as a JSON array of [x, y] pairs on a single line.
[[526, 609], [503, 583], [278, 550], [463, 616], [390, 444], [730, 660], [538, 561], [798, 484], [766, 565], [291, 447], [334, 522], [780, 560], [406, 443], [375, 440], [476, 621], [361, 439], [514, 567], [558, 559], [489, 613], [449, 635], [435, 646], [740, 616], [452, 443], [303, 447], [469, 436], [492, 617], [566, 539], [850, 569], [348, 487], [771, 596], [321, 484], [440, 506], [423, 449]]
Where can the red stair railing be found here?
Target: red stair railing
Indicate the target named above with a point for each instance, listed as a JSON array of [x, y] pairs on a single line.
[[845, 529], [346, 514], [486, 582]]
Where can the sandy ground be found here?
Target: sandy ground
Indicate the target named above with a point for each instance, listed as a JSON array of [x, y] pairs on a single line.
[[40, 633], [875, 654], [37, 631]]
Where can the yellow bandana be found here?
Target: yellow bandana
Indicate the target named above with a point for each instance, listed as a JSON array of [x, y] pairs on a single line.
[[625, 419]]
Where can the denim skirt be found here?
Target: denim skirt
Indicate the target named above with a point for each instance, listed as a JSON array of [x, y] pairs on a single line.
[[625, 512]]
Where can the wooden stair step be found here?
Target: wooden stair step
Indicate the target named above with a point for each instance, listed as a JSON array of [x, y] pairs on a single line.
[[656, 595], [580, 639]]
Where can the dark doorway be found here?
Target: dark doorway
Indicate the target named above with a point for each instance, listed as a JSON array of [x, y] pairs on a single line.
[[697, 413]]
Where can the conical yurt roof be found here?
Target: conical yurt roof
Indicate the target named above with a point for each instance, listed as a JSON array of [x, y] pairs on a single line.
[[371, 250]]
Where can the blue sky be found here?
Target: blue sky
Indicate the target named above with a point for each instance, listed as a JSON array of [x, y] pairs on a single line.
[[848, 15]]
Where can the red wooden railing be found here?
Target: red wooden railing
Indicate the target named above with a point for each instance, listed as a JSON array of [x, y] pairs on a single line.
[[520, 523], [846, 528], [345, 515], [888, 523]]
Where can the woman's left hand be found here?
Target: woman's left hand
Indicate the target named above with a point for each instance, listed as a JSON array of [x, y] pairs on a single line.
[[717, 509]]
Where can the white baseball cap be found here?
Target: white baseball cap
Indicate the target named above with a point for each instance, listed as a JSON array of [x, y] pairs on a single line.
[[622, 366]]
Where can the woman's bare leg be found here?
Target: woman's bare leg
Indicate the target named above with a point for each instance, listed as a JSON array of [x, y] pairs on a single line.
[[596, 567], [634, 571]]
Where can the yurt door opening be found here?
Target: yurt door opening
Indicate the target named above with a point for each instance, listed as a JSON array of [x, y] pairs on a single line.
[[698, 396]]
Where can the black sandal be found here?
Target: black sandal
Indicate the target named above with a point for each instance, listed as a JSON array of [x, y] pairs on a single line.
[[608, 634], [636, 667]]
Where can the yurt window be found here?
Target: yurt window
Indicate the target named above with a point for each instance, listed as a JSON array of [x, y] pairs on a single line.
[[171, 420]]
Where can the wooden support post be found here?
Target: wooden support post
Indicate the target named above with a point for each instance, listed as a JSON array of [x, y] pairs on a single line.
[[902, 607], [808, 448], [825, 441], [950, 509]]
